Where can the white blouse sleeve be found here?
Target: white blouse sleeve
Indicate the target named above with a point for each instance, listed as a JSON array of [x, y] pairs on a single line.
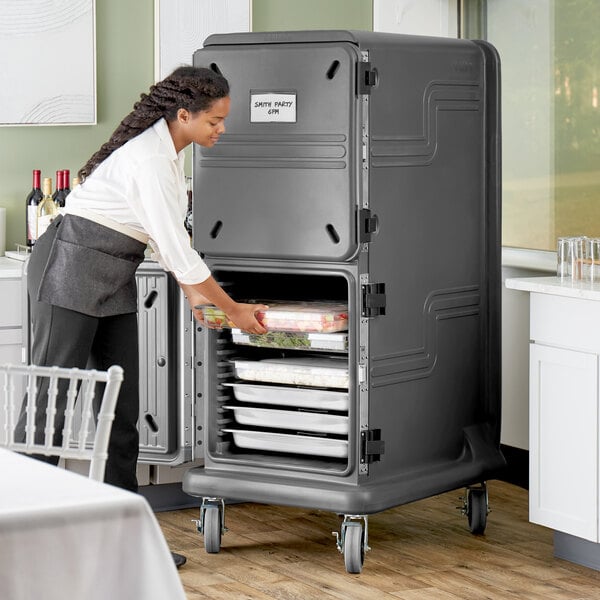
[[157, 204]]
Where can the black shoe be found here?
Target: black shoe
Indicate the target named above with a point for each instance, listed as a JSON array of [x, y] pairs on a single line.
[[178, 559]]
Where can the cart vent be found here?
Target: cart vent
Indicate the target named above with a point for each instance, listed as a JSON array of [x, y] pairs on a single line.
[[214, 232], [333, 69], [150, 299], [333, 234], [152, 424], [372, 446]]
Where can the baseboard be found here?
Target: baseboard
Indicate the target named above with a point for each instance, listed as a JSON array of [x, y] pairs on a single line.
[[577, 550]]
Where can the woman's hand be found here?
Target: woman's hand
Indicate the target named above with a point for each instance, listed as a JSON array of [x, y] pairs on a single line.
[[199, 316], [244, 317], [210, 292]]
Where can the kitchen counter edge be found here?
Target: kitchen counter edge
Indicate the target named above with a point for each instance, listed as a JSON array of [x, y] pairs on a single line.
[[10, 268], [553, 285]]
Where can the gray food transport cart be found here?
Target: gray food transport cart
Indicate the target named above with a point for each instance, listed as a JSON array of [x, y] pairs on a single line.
[[361, 168]]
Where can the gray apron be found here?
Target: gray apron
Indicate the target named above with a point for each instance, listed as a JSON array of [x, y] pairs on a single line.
[[90, 268]]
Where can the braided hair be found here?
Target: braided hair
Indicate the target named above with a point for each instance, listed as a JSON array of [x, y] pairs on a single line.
[[192, 88]]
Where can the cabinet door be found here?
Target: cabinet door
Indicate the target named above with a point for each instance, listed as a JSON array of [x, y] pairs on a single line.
[[11, 343], [563, 426], [10, 303]]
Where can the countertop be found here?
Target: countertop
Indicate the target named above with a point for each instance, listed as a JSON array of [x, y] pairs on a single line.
[[10, 268], [553, 285]]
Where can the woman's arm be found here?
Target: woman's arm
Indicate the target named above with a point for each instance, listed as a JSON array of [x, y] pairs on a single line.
[[210, 292]]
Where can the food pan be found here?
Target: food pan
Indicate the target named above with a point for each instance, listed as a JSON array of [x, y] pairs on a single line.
[[328, 372], [316, 317], [290, 396], [290, 419], [293, 340], [296, 444]]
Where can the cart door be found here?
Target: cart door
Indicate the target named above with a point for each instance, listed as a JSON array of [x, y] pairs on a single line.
[[281, 182]]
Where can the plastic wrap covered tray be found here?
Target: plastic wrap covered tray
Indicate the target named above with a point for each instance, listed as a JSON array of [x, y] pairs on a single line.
[[293, 340], [290, 419], [316, 317], [328, 372], [283, 442], [290, 396]]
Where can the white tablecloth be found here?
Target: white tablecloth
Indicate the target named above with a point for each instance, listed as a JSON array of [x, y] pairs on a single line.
[[66, 537]]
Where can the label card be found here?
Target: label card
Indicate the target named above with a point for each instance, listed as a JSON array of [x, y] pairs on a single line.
[[271, 107]]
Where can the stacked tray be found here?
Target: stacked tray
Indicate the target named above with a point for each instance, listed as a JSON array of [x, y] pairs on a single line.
[[290, 409], [282, 404]]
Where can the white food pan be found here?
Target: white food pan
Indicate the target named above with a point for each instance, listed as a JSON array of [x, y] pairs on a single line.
[[330, 342], [290, 396], [290, 419], [295, 444], [328, 372]]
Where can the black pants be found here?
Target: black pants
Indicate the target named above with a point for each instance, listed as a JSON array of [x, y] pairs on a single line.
[[67, 338]]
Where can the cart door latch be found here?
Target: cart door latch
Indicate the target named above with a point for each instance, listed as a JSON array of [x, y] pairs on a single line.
[[372, 446], [373, 299], [369, 224], [367, 77]]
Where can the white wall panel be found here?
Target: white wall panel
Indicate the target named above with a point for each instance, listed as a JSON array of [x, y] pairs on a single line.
[[417, 17], [183, 25]]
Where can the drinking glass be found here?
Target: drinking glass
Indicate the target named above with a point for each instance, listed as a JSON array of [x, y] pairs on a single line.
[[592, 260], [570, 256]]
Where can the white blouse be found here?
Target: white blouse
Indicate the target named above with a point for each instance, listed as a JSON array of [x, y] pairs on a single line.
[[141, 186]]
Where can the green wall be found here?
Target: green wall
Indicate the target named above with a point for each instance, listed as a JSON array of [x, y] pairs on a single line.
[[285, 15], [125, 68]]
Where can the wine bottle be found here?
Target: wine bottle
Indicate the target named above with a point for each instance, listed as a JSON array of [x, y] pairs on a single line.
[[58, 190], [66, 188], [31, 203], [47, 209]]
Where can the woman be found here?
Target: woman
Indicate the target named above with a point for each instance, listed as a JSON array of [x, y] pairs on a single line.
[[81, 274]]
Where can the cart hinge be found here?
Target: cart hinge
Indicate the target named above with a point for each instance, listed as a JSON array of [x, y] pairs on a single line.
[[367, 78], [369, 224], [372, 446], [373, 299]]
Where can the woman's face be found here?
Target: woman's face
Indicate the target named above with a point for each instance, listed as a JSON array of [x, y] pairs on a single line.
[[206, 126]]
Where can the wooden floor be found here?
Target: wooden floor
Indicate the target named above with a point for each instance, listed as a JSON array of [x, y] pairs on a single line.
[[420, 551]]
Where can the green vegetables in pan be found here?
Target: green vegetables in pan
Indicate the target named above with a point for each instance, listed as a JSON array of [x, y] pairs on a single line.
[[294, 340], [280, 339]]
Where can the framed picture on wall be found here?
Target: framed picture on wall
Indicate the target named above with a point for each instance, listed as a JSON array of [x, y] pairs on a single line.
[[47, 62]]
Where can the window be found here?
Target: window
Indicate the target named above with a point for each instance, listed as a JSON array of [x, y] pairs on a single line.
[[550, 55]]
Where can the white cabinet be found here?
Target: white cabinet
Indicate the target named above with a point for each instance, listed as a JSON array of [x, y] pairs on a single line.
[[11, 305], [563, 417], [564, 405]]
